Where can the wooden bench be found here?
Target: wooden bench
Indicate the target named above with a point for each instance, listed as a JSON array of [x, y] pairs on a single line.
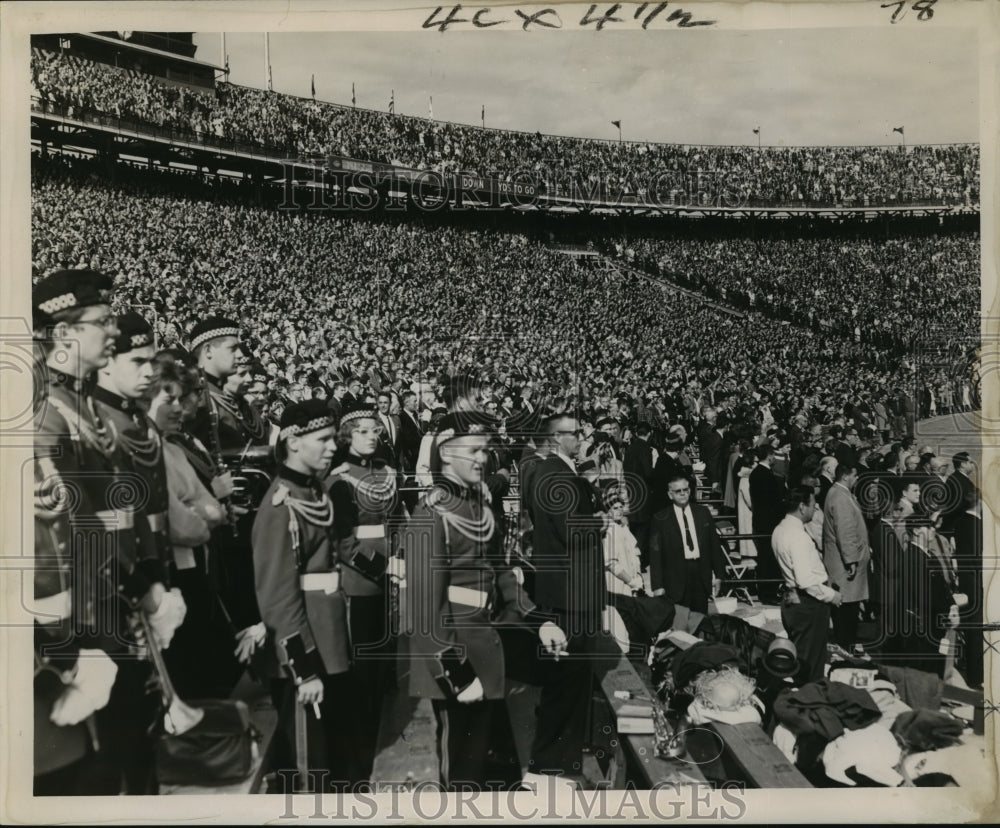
[[750, 756], [637, 758]]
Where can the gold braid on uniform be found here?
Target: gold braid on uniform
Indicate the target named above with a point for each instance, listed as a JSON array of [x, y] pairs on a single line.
[[79, 430], [144, 452], [316, 513], [477, 531], [374, 491]]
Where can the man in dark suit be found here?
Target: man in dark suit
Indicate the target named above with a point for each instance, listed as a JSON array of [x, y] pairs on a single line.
[[969, 558], [668, 464], [388, 444], [711, 448], [961, 484], [410, 435], [569, 594], [638, 465], [686, 560], [767, 494]]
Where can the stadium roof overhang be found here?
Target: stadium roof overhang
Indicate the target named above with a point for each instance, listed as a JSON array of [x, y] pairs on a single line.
[[104, 133], [126, 46]]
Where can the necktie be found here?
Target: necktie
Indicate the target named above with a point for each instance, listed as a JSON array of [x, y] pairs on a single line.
[[687, 531]]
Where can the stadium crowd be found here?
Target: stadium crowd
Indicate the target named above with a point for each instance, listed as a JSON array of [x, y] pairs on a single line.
[[382, 301], [887, 291], [475, 361], [676, 174]]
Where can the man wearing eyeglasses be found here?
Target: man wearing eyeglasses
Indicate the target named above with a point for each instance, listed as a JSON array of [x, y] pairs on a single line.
[[105, 583], [686, 561], [569, 593]]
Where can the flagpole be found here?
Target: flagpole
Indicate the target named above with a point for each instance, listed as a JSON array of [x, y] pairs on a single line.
[[758, 137], [224, 60], [483, 116], [353, 99], [267, 59]]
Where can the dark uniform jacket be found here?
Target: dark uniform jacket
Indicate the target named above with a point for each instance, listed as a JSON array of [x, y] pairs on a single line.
[[56, 647], [366, 511], [139, 448], [238, 422], [455, 578], [292, 538], [114, 563]]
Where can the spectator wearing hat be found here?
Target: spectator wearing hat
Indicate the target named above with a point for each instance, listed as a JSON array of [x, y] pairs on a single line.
[[111, 576], [303, 606], [457, 580]]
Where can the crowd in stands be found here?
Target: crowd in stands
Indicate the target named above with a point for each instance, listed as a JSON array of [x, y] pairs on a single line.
[[895, 290], [670, 173], [392, 303]]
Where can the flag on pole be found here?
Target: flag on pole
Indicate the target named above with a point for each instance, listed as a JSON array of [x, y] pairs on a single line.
[[482, 115], [430, 107], [756, 131], [353, 101], [898, 129], [392, 103], [314, 85], [270, 82], [617, 124]]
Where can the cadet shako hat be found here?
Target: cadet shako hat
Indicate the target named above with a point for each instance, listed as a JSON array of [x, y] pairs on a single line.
[[68, 289], [212, 327], [304, 417], [133, 332]]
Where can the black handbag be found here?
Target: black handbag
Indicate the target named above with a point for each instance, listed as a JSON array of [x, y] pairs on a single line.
[[218, 749]]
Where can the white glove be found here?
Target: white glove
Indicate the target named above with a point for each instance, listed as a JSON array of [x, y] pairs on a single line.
[[473, 693], [223, 485], [553, 639], [248, 640], [396, 568], [90, 690], [168, 617]]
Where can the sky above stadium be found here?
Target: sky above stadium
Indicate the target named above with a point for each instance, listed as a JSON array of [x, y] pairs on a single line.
[[832, 86]]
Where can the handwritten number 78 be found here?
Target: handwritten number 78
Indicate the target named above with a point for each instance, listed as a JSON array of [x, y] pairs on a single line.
[[924, 7]]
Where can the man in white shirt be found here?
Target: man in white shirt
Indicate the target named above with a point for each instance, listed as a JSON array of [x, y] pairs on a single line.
[[805, 609]]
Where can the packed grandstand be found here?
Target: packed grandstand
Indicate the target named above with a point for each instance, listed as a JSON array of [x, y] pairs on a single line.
[[792, 335]]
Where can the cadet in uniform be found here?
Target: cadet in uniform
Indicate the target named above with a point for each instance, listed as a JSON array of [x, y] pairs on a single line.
[[113, 577], [300, 597], [363, 490], [455, 575], [226, 426]]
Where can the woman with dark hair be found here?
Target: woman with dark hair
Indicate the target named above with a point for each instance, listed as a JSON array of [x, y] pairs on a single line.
[[201, 659], [363, 490]]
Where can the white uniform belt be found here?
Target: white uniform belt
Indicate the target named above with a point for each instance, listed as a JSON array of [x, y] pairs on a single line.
[[328, 582], [158, 522], [52, 609], [115, 519], [370, 530], [468, 597]]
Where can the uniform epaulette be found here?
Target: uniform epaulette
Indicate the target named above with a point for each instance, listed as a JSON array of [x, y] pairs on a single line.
[[280, 494], [436, 497]]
